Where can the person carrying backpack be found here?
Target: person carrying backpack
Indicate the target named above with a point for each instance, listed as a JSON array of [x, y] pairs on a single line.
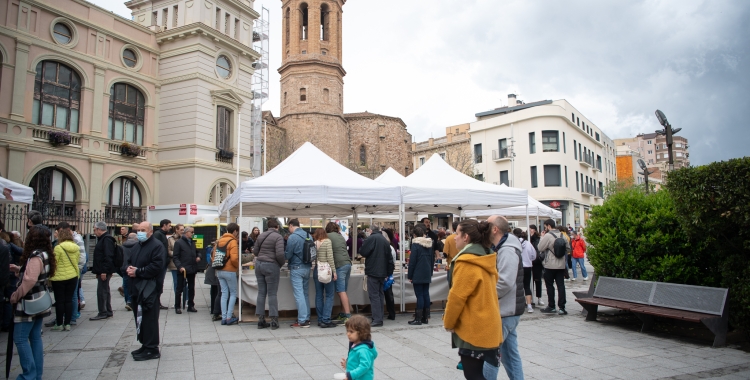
[[299, 270], [553, 248], [228, 247]]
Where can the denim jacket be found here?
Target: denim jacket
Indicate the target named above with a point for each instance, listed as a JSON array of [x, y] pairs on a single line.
[[294, 245]]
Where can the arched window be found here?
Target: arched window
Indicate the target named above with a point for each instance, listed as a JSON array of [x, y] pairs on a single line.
[[303, 21], [219, 192], [325, 95], [127, 113], [54, 193], [287, 21], [302, 94], [324, 24], [284, 98], [223, 127], [362, 155], [57, 96], [122, 196]]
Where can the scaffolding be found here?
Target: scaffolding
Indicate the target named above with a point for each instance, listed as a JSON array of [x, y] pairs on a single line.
[[260, 87]]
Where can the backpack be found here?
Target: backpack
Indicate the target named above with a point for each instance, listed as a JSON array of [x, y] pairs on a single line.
[[220, 256], [119, 258], [560, 247], [309, 250]]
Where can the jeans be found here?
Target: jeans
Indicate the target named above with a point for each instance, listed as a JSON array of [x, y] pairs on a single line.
[[552, 277], [300, 276], [228, 282], [422, 291], [511, 358], [342, 278], [268, 286], [175, 275], [76, 314], [64, 300], [583, 268], [125, 286], [103, 295], [377, 298], [323, 298], [28, 339]]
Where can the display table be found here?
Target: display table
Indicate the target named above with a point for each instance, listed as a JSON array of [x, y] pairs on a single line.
[[357, 295]]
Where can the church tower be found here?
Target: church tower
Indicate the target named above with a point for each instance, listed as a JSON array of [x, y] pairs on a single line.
[[312, 77]]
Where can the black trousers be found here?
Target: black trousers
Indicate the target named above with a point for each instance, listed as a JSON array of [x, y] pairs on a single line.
[[527, 281], [64, 299], [537, 270], [473, 368], [190, 278], [215, 290], [552, 276], [149, 335], [390, 305], [103, 295]]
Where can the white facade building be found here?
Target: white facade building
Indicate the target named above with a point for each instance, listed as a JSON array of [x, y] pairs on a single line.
[[549, 148]]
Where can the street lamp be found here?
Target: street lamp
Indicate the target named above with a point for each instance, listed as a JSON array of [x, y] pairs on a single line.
[[668, 131], [645, 172]]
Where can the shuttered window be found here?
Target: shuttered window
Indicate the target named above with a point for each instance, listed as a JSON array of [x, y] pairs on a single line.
[[223, 124]]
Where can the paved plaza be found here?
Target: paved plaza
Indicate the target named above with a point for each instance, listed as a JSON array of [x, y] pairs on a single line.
[[552, 347]]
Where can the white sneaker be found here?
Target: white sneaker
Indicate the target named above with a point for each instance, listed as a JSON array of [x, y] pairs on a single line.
[[585, 278], [539, 302], [529, 308], [574, 279]]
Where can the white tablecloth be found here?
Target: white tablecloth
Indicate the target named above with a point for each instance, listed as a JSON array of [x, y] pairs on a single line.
[[357, 296]]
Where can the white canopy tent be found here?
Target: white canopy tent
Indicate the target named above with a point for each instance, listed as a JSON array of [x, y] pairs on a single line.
[[536, 208], [309, 183], [15, 192]]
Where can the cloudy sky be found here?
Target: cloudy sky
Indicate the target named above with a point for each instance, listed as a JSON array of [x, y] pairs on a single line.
[[437, 63]]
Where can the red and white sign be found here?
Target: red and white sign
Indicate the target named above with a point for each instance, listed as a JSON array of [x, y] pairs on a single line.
[[554, 204], [183, 211], [193, 207], [152, 207], [183, 205]]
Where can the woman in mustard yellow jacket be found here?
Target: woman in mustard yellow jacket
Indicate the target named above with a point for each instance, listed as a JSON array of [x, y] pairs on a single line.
[[475, 327], [65, 279]]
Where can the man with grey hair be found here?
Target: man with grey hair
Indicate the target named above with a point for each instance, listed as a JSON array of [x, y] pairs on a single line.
[[104, 266], [186, 261], [511, 298]]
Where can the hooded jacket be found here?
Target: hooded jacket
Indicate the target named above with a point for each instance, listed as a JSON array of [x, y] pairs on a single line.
[[377, 253], [270, 247], [294, 246], [421, 261], [510, 277], [579, 247], [546, 245], [184, 255], [229, 244], [476, 326], [528, 254], [66, 257], [360, 363]]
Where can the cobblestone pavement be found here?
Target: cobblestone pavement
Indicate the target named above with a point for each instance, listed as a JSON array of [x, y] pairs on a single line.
[[552, 347]]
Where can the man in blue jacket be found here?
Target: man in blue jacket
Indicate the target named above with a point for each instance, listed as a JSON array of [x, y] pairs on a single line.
[[299, 272]]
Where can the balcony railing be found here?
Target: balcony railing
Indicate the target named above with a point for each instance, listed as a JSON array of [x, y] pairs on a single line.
[[42, 133], [500, 154], [114, 147], [587, 160]]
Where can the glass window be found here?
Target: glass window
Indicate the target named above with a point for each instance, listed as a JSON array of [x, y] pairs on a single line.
[[575, 152], [597, 136], [550, 141], [577, 181], [223, 125], [532, 142], [479, 177], [62, 33], [129, 57], [552, 175], [533, 177], [53, 192], [504, 177], [224, 66], [421, 161], [442, 155], [477, 153], [218, 193], [565, 150], [57, 96], [502, 146], [127, 114], [362, 155], [122, 195], [566, 176]]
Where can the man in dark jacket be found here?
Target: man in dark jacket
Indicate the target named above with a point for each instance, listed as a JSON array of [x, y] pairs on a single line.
[[165, 226], [104, 266], [378, 266], [145, 262], [186, 260]]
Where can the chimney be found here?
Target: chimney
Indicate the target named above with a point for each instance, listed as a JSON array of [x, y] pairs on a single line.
[[431, 141], [511, 100]]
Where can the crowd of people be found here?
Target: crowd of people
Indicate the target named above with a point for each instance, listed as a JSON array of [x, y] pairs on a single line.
[[487, 262]]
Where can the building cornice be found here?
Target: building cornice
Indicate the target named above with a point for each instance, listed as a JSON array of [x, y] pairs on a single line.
[[279, 119], [197, 28], [312, 62], [443, 145], [183, 78], [240, 5]]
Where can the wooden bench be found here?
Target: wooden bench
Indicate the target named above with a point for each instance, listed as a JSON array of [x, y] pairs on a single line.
[[647, 300]]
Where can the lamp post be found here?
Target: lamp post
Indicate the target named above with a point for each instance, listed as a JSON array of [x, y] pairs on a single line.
[[668, 131], [645, 172]]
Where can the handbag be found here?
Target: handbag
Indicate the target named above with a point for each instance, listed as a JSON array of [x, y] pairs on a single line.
[[324, 272], [37, 305]]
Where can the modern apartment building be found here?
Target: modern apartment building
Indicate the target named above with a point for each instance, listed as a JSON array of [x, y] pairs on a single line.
[[630, 172], [102, 112], [548, 147], [653, 148]]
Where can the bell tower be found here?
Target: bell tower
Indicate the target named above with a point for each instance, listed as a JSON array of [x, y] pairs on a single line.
[[312, 76]]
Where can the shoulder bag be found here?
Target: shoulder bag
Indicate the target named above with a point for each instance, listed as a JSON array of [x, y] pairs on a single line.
[[40, 304], [324, 271]]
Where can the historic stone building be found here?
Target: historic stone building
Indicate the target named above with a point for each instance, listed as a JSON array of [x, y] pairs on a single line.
[[102, 112], [453, 148], [312, 97]]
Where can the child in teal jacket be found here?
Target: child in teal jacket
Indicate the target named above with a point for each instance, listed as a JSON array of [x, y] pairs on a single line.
[[360, 363]]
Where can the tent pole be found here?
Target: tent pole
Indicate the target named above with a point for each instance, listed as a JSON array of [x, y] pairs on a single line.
[[239, 244], [354, 236], [402, 252], [527, 219]]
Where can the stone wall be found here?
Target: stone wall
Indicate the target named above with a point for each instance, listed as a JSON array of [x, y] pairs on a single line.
[[386, 144]]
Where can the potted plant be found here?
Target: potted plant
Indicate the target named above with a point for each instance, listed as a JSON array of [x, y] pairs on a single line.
[[59, 138], [226, 154], [129, 149]]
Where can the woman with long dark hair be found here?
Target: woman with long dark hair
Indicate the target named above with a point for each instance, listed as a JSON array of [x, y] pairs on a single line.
[[324, 291], [475, 327], [37, 265]]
